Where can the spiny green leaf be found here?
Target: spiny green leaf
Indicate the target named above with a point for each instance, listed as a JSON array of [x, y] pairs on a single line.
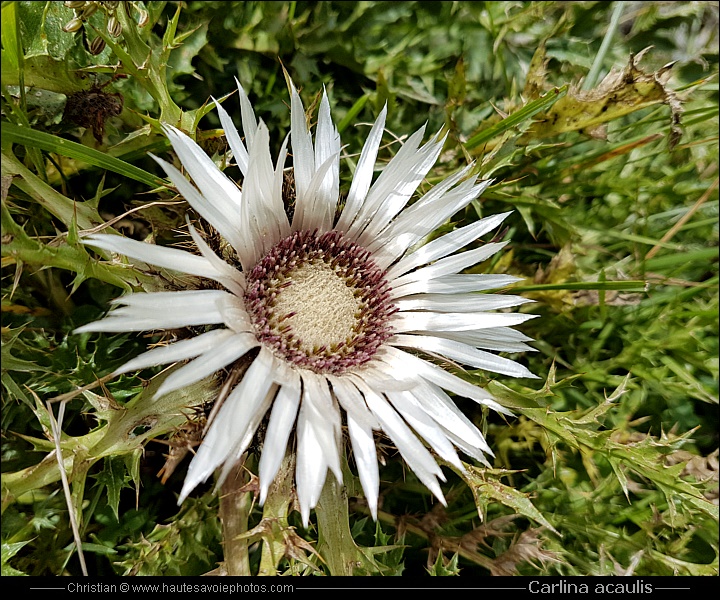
[[440, 569], [486, 488], [114, 478], [8, 551]]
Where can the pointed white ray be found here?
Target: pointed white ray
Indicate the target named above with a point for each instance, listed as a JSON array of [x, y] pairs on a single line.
[[211, 181], [231, 278], [318, 430], [459, 302], [404, 179], [261, 386], [247, 114], [311, 467], [500, 339], [445, 245], [362, 178], [163, 302], [160, 256], [324, 416], [463, 353], [439, 406], [277, 191], [412, 450], [352, 402], [468, 449], [233, 137], [420, 219], [178, 351], [282, 419], [402, 361], [162, 310], [327, 147], [450, 265], [231, 423], [243, 443], [221, 356], [363, 445], [303, 157], [309, 219], [417, 321], [395, 181], [435, 403], [449, 188], [454, 284], [249, 125], [225, 217], [410, 410], [263, 211]]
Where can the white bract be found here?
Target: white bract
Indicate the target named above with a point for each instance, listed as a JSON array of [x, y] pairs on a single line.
[[324, 305]]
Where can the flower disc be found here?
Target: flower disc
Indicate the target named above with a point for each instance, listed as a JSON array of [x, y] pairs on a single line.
[[320, 302]]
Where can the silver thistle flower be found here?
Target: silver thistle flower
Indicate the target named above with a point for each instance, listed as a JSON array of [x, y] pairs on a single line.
[[329, 305]]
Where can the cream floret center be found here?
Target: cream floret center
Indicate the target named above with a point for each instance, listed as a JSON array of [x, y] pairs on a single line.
[[318, 305], [319, 302]]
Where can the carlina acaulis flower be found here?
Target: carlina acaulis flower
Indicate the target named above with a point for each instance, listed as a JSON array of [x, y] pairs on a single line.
[[346, 311]]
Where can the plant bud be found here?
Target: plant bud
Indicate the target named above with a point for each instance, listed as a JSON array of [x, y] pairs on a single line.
[[144, 17], [114, 27], [96, 46], [89, 10], [73, 25]]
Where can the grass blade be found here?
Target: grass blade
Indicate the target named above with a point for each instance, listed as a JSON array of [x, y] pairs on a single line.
[[52, 143], [526, 112]]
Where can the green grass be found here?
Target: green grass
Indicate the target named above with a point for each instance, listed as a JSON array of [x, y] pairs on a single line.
[[610, 464]]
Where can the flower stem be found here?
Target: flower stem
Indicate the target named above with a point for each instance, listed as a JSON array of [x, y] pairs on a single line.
[[234, 513], [275, 511], [335, 542]]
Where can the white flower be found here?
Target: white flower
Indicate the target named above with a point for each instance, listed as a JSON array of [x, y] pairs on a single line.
[[327, 306]]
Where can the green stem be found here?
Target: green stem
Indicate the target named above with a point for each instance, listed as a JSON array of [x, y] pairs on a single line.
[[19, 246], [275, 511], [145, 65], [114, 438], [234, 512], [335, 542]]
